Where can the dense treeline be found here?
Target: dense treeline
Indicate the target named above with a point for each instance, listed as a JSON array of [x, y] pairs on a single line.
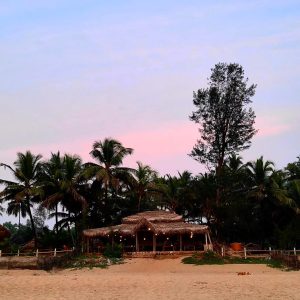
[[240, 201], [259, 204]]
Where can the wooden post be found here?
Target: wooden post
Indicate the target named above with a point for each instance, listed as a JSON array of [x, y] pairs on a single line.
[[137, 248], [206, 246], [209, 239], [222, 251], [113, 241], [54, 251], [154, 242], [37, 253], [295, 252], [245, 252], [87, 245], [0, 253], [180, 242]]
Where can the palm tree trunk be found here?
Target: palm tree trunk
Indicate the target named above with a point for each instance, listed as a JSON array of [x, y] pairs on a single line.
[[19, 216], [139, 204], [56, 219], [31, 221]]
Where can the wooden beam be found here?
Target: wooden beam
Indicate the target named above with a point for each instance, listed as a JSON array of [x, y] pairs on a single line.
[[88, 245], [154, 242], [209, 238], [137, 247], [180, 242]]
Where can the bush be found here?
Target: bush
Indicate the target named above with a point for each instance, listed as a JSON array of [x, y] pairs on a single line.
[[113, 252]]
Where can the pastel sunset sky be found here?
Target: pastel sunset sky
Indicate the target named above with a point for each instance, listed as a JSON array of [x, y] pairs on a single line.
[[73, 72]]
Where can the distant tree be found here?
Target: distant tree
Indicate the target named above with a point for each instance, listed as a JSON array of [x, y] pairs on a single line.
[[26, 189], [143, 182], [109, 154], [65, 186], [52, 178], [176, 192], [259, 173], [293, 169], [226, 121], [17, 208]]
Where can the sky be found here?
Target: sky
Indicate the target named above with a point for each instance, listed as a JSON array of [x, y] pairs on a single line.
[[73, 72]]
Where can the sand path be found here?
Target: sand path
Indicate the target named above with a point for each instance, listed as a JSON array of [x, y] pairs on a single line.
[[152, 279]]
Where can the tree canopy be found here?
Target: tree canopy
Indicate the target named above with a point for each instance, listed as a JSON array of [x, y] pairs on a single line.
[[223, 112]]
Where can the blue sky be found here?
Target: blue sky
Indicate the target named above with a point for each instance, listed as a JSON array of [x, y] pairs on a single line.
[[73, 72]]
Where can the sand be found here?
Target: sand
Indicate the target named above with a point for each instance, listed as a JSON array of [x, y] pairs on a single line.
[[152, 279]]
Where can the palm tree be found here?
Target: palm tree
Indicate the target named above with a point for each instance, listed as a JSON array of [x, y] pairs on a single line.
[[294, 193], [52, 177], [176, 191], [26, 189], [18, 209], [267, 183], [234, 163], [109, 154], [143, 182], [259, 173], [64, 185]]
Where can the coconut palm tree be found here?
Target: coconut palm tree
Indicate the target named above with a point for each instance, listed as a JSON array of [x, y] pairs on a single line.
[[266, 183], [26, 189], [52, 177], [294, 193], [259, 173], [63, 187], [176, 192], [293, 170], [143, 183], [109, 155], [18, 209]]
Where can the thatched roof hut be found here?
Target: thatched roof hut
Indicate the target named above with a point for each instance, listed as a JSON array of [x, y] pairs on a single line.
[[4, 233], [159, 222]]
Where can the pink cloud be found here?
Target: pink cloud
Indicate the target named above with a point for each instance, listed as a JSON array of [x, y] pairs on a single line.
[[164, 147], [271, 126]]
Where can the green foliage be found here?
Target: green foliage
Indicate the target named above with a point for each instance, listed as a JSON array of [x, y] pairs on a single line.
[[208, 258], [226, 121], [211, 258], [257, 204], [90, 262], [5, 245], [114, 251]]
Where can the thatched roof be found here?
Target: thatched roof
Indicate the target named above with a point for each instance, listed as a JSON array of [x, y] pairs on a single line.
[[154, 216], [4, 232], [158, 222]]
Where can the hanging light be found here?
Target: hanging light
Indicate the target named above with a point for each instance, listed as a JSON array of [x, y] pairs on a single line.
[[144, 239], [149, 228]]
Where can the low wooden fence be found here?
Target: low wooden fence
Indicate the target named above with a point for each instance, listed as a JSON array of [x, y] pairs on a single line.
[[38, 252], [290, 258]]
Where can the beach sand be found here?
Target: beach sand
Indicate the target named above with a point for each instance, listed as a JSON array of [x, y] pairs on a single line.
[[152, 279]]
